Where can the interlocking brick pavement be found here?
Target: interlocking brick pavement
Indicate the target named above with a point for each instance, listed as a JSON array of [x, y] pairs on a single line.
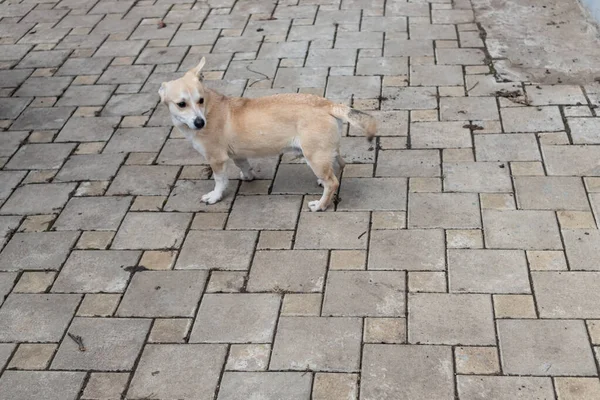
[[461, 261]]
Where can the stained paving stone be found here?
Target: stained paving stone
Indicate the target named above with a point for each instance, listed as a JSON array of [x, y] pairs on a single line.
[[477, 360], [225, 250], [90, 129], [161, 371], [96, 272], [318, 344], [413, 98], [50, 385], [488, 271], [364, 194], [521, 229], [532, 119], [504, 387], [33, 356], [163, 294], [444, 210], [270, 385], [580, 246], [332, 230], [577, 388], [545, 347], [413, 249], [138, 230], [90, 167], [236, 318], [111, 344], [92, 213], [288, 271], [143, 180], [386, 375], [364, 293], [440, 318], [567, 294], [36, 317], [551, 193], [37, 251]]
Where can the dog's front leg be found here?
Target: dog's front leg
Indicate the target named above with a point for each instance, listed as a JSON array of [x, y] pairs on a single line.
[[220, 174], [246, 173]]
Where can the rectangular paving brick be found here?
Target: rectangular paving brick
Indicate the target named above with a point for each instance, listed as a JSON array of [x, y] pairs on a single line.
[[567, 294]]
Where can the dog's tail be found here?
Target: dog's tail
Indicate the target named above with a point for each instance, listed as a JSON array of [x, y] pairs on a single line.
[[356, 118]]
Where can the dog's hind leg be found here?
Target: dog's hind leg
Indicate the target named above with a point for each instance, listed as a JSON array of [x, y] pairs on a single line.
[[220, 174], [246, 172], [322, 166]]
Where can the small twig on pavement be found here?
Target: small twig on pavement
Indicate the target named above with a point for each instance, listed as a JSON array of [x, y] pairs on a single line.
[[77, 339]]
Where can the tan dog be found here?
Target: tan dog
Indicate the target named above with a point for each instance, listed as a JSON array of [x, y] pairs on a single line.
[[221, 128]]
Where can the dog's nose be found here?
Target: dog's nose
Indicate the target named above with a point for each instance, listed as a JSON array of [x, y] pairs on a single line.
[[199, 123]]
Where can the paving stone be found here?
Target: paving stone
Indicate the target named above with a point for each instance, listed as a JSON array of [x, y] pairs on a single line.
[[130, 104], [288, 271], [364, 293], [514, 306], [160, 55], [92, 167], [84, 66], [120, 48], [488, 271], [332, 386], [551, 193], [385, 374], [571, 160], [585, 130], [158, 260], [37, 250], [460, 56], [32, 356], [111, 344], [317, 343], [93, 213], [248, 357], [436, 75], [224, 250], [42, 118], [143, 180], [95, 129], [501, 147], [295, 179], [236, 318], [547, 260], [48, 385], [163, 294], [356, 150], [98, 305], [444, 210], [96, 95], [332, 230], [412, 98], [295, 305], [347, 259], [477, 177], [504, 387], [6, 351], [382, 66], [541, 95], [10, 180], [10, 108], [532, 119], [408, 163], [439, 135], [477, 360], [105, 385], [385, 330], [179, 152], [43, 86], [567, 294], [7, 280], [96, 271], [209, 221], [170, 330], [264, 212], [138, 230], [36, 317], [13, 52], [577, 388], [581, 246], [440, 318], [521, 229], [270, 385], [545, 347], [186, 195], [576, 219], [407, 250], [10, 142], [468, 108], [364, 194], [360, 87], [40, 156]]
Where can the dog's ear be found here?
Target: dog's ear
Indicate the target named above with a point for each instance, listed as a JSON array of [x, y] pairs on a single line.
[[198, 69], [161, 91]]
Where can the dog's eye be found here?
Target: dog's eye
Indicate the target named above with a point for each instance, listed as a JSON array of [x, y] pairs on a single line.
[[181, 104], [201, 101]]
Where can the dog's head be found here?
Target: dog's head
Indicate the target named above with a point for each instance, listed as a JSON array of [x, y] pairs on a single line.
[[185, 98]]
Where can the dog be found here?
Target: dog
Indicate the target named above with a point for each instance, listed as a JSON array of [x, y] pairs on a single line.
[[222, 128]]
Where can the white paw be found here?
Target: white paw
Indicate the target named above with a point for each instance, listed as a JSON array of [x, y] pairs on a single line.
[[320, 182], [316, 206], [212, 197], [248, 177]]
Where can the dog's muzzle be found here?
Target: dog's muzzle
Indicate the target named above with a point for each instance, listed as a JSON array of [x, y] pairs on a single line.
[[199, 123]]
